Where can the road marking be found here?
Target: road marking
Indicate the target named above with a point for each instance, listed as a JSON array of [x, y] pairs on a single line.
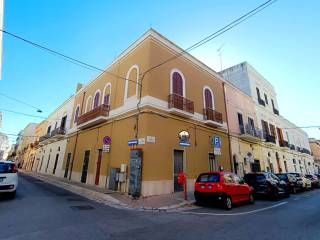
[[235, 214]]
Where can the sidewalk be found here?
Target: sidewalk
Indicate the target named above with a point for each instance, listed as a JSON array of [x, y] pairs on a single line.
[[116, 199]]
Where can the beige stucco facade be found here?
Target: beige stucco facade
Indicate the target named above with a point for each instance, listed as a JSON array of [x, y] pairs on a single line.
[[155, 118]]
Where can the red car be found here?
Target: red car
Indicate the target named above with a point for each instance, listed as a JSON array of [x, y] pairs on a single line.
[[222, 187]]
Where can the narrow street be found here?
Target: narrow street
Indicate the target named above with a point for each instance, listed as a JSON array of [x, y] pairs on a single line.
[[43, 211]]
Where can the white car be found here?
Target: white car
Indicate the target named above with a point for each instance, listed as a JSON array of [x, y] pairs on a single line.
[[8, 178]]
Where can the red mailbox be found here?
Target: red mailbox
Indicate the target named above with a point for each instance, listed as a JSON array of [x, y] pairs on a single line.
[[181, 178]]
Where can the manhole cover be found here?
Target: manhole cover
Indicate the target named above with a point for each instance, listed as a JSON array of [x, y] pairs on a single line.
[[82, 207]]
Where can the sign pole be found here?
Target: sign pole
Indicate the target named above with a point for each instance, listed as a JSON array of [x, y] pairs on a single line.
[[186, 178]]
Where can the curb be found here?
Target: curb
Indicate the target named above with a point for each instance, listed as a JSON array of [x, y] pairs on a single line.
[[103, 198]]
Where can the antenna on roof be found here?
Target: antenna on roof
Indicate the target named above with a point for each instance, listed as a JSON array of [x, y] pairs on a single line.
[[219, 50]]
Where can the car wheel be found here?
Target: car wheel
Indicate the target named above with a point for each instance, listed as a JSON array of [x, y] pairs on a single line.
[[294, 190], [251, 198], [12, 195], [275, 194], [227, 203], [199, 201]]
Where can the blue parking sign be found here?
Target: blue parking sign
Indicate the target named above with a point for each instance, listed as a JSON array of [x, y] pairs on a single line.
[[216, 142]]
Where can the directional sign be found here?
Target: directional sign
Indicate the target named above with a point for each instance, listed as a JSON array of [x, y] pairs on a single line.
[[184, 144], [133, 142]]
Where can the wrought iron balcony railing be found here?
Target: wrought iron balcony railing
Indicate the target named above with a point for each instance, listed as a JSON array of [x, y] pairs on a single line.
[[181, 103], [212, 115]]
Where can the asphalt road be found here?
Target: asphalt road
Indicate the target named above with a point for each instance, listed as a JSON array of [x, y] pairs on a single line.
[[42, 211]]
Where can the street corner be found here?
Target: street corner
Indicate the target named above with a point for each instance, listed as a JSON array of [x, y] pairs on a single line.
[[238, 209]]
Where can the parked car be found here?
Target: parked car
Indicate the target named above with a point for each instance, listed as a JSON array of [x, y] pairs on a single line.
[[314, 180], [306, 183], [292, 183], [8, 178], [267, 184], [221, 187]]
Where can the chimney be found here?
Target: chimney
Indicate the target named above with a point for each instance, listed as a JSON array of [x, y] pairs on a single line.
[[79, 86]]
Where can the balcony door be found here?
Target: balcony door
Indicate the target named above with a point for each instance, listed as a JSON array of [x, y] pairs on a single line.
[[177, 84], [208, 99], [63, 122]]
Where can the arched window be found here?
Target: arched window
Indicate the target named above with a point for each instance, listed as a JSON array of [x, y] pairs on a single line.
[[96, 100], [76, 115], [208, 98], [89, 104], [177, 84], [107, 94], [131, 85]]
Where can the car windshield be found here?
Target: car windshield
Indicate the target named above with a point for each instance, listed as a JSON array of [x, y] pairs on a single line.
[[249, 178], [282, 177], [209, 177], [295, 174], [6, 167]]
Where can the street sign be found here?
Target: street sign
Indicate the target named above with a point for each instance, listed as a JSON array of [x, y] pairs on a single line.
[[184, 144], [216, 142], [106, 148], [217, 151], [141, 141], [151, 139], [133, 142], [107, 140]]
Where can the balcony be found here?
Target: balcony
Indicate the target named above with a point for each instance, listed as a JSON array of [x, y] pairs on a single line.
[[292, 147], [283, 143], [250, 133], [58, 133], [55, 135], [43, 138], [212, 117], [180, 106], [304, 150], [269, 138], [96, 116], [276, 111], [261, 102]]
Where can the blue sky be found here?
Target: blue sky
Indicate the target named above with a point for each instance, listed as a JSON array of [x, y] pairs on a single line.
[[281, 42]]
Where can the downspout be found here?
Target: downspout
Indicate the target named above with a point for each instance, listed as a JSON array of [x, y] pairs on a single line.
[[228, 130]]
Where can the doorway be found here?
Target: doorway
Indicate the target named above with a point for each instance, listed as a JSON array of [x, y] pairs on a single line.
[[177, 168], [67, 165], [255, 166], [63, 122], [98, 167], [55, 164], [85, 166]]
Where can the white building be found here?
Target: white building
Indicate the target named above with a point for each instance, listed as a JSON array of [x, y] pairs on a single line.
[[4, 146], [285, 147], [1, 27], [50, 154]]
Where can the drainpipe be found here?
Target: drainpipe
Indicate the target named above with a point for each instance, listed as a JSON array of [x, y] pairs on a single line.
[[228, 131], [76, 142]]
